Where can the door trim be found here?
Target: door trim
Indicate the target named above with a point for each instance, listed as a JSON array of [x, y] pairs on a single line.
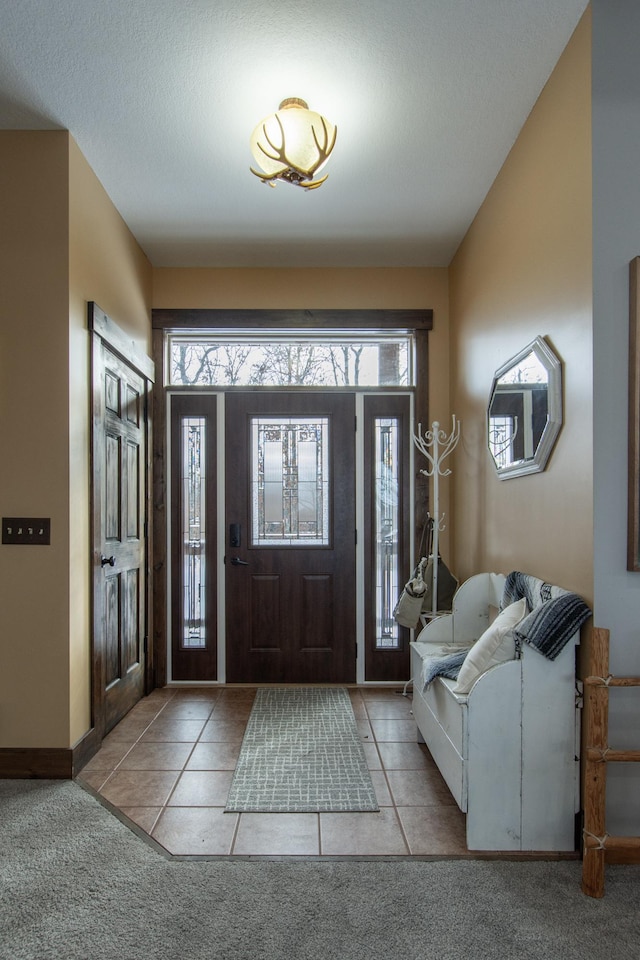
[[118, 341], [105, 331], [418, 321]]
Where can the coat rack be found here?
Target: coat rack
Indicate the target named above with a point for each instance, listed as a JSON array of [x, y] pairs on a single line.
[[436, 446]]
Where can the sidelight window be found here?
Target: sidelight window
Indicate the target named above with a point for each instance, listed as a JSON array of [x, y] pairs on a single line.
[[193, 493], [387, 527]]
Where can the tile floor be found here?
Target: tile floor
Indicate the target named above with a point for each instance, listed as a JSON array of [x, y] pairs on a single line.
[[168, 766]]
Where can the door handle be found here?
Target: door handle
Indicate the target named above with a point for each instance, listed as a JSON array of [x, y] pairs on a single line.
[[237, 562], [107, 561]]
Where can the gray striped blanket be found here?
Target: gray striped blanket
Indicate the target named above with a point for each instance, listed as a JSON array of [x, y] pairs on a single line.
[[555, 614], [446, 666]]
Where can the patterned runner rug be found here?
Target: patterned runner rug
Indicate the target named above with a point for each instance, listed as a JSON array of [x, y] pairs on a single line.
[[301, 753]]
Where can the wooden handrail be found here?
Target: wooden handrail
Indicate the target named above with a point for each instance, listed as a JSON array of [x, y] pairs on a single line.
[[596, 841]]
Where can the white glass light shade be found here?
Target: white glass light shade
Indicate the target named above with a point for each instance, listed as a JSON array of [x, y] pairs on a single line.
[[293, 144]]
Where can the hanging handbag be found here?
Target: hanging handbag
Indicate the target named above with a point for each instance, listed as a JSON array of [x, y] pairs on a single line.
[[447, 585], [409, 606]]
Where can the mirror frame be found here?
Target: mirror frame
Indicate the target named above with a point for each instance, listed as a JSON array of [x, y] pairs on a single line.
[[553, 366]]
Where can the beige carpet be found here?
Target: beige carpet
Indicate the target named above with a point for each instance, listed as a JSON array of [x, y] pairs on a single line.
[[77, 884]]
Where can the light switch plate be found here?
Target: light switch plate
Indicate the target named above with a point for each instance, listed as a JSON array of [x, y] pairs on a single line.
[[27, 530]]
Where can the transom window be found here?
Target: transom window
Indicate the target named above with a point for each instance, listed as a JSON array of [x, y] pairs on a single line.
[[294, 358]]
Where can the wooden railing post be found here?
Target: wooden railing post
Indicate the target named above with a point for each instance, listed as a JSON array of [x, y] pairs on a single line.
[[596, 768]]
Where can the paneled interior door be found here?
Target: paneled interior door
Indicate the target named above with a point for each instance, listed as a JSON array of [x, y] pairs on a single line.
[[290, 537], [119, 471]]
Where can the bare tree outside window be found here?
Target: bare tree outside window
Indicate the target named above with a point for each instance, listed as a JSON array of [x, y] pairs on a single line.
[[289, 365], [299, 362], [211, 364], [345, 364]]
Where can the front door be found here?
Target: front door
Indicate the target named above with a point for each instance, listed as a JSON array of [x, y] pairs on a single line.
[[290, 538], [119, 469]]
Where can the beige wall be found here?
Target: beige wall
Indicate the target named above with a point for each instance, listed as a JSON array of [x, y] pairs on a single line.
[[411, 288], [34, 436], [524, 269], [105, 265], [317, 289], [62, 243], [321, 289]]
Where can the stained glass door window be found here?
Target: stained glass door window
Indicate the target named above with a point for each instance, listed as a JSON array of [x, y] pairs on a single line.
[[290, 481]]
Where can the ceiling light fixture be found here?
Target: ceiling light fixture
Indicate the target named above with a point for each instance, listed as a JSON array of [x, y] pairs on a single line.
[[293, 144]]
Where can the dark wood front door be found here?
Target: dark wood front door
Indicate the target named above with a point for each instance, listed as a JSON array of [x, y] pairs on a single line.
[[119, 521], [290, 538]]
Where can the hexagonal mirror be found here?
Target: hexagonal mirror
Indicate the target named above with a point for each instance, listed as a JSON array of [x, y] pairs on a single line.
[[525, 411]]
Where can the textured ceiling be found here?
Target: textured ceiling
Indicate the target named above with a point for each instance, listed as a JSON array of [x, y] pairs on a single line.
[[162, 95]]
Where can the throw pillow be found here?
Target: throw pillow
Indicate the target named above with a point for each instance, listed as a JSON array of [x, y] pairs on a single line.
[[494, 646]]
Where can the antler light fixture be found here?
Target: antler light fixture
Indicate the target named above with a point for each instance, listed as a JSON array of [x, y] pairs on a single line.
[[293, 144]]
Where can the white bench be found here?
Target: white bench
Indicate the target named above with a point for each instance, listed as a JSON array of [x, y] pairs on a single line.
[[509, 749]]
